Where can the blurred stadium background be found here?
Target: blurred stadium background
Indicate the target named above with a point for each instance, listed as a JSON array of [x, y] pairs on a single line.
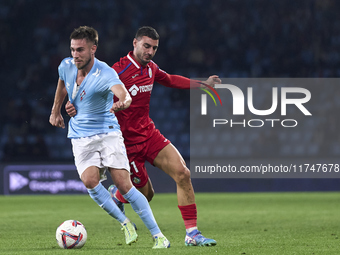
[[248, 38]]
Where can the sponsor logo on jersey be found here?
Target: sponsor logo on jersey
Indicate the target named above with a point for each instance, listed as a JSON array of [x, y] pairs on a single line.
[[134, 89], [134, 76], [146, 88]]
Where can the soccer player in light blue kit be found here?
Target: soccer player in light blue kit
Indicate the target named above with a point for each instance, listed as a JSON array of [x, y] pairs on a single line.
[[97, 141]]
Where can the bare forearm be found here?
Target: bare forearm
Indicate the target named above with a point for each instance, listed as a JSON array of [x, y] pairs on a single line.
[[59, 97], [124, 98], [55, 118]]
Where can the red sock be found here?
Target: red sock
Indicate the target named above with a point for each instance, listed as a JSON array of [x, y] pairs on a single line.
[[120, 197], [189, 215]]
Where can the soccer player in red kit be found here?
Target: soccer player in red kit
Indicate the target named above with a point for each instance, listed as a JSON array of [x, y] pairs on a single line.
[[143, 141]]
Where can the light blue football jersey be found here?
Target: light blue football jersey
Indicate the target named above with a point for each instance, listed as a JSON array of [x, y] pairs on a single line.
[[93, 100]]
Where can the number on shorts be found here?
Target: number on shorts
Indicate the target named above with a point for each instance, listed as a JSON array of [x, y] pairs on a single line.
[[134, 166]]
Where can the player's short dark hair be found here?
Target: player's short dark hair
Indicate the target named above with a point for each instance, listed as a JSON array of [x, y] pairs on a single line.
[[85, 32], [147, 31]]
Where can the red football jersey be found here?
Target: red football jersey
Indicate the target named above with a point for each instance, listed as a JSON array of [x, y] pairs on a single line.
[[135, 122]]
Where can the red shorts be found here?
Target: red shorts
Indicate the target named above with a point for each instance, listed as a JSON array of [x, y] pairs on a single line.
[[147, 151]]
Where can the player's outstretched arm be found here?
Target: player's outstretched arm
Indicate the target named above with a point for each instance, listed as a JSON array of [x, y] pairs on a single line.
[[181, 82], [123, 96], [55, 118]]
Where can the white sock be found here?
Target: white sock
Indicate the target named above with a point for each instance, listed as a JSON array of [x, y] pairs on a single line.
[[191, 229]]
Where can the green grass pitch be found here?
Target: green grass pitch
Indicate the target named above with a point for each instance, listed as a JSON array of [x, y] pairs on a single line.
[[241, 223]]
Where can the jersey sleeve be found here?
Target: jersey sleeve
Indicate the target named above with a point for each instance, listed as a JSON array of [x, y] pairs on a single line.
[[61, 70], [110, 79], [114, 79], [175, 81]]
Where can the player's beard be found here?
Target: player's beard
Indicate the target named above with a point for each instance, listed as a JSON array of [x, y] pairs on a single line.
[[86, 64], [142, 60]]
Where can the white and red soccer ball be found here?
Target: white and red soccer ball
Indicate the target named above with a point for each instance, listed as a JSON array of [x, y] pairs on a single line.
[[71, 234]]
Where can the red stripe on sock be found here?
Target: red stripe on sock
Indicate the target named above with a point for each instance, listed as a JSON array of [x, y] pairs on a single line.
[[120, 197], [189, 215]]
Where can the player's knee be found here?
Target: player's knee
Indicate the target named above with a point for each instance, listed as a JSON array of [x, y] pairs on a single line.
[[182, 175], [123, 186], [90, 183], [90, 178]]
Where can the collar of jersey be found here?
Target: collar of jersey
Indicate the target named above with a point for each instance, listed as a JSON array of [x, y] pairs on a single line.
[[137, 65]]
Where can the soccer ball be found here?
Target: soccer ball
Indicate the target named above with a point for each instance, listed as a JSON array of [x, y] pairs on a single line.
[[71, 234]]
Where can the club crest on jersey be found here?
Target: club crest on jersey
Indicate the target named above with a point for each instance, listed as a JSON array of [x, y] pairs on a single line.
[[150, 73], [136, 180], [83, 93]]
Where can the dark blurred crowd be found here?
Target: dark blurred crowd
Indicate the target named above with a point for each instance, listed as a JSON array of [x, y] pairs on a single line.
[[231, 38]]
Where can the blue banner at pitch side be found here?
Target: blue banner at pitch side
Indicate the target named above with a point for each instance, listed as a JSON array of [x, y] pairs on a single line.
[[42, 179]]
